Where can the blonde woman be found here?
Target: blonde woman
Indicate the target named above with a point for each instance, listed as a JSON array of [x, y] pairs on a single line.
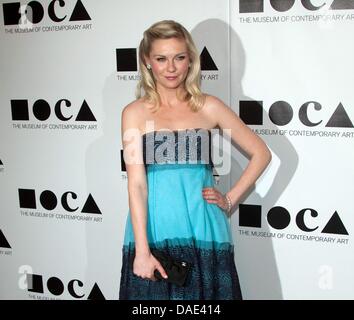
[[178, 242]]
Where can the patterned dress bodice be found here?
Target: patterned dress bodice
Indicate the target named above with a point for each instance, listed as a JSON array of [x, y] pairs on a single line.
[[192, 146]]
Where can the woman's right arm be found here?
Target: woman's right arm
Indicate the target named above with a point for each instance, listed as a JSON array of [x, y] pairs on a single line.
[[144, 262]]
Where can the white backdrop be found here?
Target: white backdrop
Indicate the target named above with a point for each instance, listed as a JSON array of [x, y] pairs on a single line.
[[284, 66]]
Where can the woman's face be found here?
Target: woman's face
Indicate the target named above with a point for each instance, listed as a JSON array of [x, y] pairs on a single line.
[[169, 62]]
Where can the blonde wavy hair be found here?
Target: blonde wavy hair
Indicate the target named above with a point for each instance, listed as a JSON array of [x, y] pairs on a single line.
[[167, 29]]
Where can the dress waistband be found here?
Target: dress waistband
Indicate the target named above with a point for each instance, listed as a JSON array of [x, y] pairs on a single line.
[[167, 166]]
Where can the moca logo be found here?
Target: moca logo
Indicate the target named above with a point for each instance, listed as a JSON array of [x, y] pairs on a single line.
[[56, 287], [33, 12], [246, 6], [279, 218], [127, 60], [42, 110], [281, 113], [49, 201], [3, 241]]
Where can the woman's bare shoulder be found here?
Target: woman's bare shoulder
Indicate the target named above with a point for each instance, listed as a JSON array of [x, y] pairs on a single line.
[[135, 107], [212, 101], [134, 114], [216, 109], [212, 104]]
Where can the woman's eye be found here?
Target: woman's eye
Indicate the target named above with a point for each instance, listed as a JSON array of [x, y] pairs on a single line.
[[160, 59], [181, 57]]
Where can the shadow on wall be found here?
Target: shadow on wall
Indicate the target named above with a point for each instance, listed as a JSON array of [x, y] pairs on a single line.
[[254, 257]]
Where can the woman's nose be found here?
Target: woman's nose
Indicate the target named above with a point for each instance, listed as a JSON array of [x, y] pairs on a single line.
[[171, 66]]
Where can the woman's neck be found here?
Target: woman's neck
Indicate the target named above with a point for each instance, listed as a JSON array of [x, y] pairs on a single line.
[[171, 97]]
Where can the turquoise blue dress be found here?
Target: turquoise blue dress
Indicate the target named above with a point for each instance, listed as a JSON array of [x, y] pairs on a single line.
[[181, 222]]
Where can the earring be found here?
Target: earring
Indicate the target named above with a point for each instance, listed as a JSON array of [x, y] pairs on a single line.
[[148, 66]]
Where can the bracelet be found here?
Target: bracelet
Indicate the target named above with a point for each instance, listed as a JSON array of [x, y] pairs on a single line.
[[229, 203]]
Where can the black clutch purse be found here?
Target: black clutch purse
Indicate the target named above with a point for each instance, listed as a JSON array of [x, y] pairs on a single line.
[[177, 271]]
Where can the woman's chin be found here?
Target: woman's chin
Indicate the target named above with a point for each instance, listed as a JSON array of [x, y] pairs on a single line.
[[172, 85]]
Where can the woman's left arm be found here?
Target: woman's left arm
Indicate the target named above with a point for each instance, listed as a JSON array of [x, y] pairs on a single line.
[[258, 152]]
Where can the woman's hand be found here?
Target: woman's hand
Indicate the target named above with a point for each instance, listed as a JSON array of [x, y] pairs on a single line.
[[144, 266], [212, 195]]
